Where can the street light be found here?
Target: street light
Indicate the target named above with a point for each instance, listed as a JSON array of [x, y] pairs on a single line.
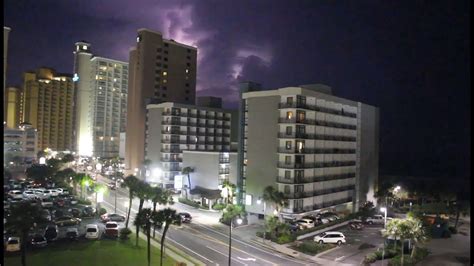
[[259, 201], [239, 222], [410, 205], [384, 210]]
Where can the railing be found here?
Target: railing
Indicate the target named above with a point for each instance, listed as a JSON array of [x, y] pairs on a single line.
[[316, 151], [224, 160], [315, 136], [171, 150], [317, 108], [311, 179], [294, 135], [224, 171], [315, 165], [175, 160], [308, 194]]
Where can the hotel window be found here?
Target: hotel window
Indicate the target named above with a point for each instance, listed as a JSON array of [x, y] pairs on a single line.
[[288, 145], [289, 115], [300, 145], [289, 100], [289, 130], [166, 45], [165, 73], [287, 174], [287, 159], [166, 59], [300, 116], [299, 188], [287, 189], [300, 100]]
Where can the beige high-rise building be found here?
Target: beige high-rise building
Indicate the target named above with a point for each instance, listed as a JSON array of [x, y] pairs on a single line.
[[48, 104], [6, 32], [13, 106], [160, 71]]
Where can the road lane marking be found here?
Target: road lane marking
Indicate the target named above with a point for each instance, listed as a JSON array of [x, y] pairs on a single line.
[[247, 259], [340, 258], [227, 255]]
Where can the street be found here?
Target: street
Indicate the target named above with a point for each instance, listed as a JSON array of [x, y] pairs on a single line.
[[204, 238]]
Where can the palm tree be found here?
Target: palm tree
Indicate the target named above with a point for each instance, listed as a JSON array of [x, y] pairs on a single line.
[[230, 191], [162, 197], [272, 195], [142, 192], [143, 220], [187, 171], [23, 217], [393, 229], [67, 158], [39, 173], [130, 182], [62, 177], [77, 179], [417, 234], [167, 217]]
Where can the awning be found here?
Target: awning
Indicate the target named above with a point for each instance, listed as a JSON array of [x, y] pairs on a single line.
[[206, 193]]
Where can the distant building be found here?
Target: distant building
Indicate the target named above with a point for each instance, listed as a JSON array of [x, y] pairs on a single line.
[[13, 106], [48, 105], [20, 143], [6, 33], [173, 128], [101, 102], [160, 71], [320, 150], [209, 101]]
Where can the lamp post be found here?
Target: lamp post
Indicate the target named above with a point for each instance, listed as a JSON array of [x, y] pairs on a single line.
[[410, 205], [238, 221], [264, 205], [115, 201], [384, 209]]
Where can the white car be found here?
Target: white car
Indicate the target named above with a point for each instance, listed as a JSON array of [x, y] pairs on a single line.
[[55, 192], [92, 231], [331, 238], [46, 203], [63, 191], [29, 194], [13, 244], [377, 219], [15, 194], [306, 223]]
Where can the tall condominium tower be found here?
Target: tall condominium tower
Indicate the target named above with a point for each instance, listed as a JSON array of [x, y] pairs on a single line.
[[6, 32], [48, 105], [13, 106], [101, 102], [160, 71], [320, 150]]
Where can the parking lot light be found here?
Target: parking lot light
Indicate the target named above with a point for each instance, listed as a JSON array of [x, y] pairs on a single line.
[[384, 210]]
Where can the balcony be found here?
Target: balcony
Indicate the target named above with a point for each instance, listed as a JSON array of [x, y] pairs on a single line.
[[172, 160], [171, 150], [316, 108], [224, 171], [292, 151], [315, 165], [321, 206], [283, 120], [297, 135], [224, 160]]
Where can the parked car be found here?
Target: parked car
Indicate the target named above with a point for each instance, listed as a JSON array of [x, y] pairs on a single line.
[[72, 233], [324, 220], [46, 203], [111, 229], [377, 219], [51, 233], [29, 194], [54, 192], [75, 212], [356, 225], [67, 220], [112, 217], [331, 238], [13, 244], [185, 217], [294, 226], [306, 223], [111, 185], [92, 231], [73, 201], [63, 191], [15, 194], [39, 241], [88, 211], [60, 202]]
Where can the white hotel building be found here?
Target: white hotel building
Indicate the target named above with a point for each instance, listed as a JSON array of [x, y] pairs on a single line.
[[101, 102], [320, 150]]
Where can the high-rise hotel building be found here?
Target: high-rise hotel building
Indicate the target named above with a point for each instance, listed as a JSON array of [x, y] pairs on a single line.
[[173, 128], [13, 108], [101, 102], [6, 33], [48, 105], [160, 71], [320, 150]]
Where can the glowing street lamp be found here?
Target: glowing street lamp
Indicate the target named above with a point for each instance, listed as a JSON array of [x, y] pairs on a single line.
[[239, 222], [384, 210]]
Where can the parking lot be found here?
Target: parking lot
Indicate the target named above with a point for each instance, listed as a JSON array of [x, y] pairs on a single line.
[[355, 239]]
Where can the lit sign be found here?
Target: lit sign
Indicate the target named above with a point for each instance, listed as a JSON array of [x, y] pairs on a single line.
[[75, 78]]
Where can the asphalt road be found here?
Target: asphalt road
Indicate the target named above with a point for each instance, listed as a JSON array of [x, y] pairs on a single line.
[[202, 240]]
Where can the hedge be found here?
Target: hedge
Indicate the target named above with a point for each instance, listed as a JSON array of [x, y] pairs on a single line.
[[191, 203], [312, 248]]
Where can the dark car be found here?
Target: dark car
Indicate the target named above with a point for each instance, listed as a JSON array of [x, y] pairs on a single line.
[[51, 233], [185, 217], [112, 217], [67, 220], [294, 226], [75, 212], [88, 211], [58, 213], [72, 233], [39, 241], [60, 202]]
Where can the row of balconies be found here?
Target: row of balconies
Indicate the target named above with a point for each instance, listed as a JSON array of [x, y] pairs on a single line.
[[322, 205], [298, 135], [308, 194], [196, 116], [315, 164], [195, 133], [183, 141], [312, 179], [317, 151], [317, 108], [178, 160], [190, 124], [308, 121]]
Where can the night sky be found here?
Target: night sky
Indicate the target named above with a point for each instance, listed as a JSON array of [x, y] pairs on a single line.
[[409, 58]]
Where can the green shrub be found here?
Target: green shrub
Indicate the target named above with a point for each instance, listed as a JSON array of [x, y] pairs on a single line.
[[286, 238], [420, 254], [102, 211], [396, 261], [218, 206], [312, 248], [124, 232], [189, 202], [453, 230], [84, 202], [370, 258]]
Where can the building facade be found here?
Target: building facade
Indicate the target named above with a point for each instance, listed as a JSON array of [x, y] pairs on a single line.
[[13, 106], [101, 102], [6, 33], [320, 150], [160, 71], [173, 128], [20, 142], [48, 105]]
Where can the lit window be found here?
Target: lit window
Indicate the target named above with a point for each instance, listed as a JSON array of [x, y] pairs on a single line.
[[288, 145], [112, 138], [165, 73], [84, 47], [289, 115], [165, 81], [248, 199], [187, 70], [101, 138], [115, 80], [96, 77]]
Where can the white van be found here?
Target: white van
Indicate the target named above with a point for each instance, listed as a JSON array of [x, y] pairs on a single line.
[[331, 238], [92, 231]]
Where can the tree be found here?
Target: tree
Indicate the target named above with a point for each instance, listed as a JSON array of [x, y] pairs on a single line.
[[187, 171], [230, 212], [39, 173], [63, 177], [417, 234], [367, 210], [166, 217], [68, 158], [77, 179], [23, 217], [130, 182], [55, 164], [160, 196], [460, 206], [230, 188], [272, 195], [393, 230], [41, 154], [142, 192], [143, 220]]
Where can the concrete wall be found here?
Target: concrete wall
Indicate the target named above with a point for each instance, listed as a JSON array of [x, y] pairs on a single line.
[[262, 156], [153, 141], [206, 169]]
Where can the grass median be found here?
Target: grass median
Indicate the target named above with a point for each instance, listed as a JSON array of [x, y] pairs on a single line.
[[92, 252]]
